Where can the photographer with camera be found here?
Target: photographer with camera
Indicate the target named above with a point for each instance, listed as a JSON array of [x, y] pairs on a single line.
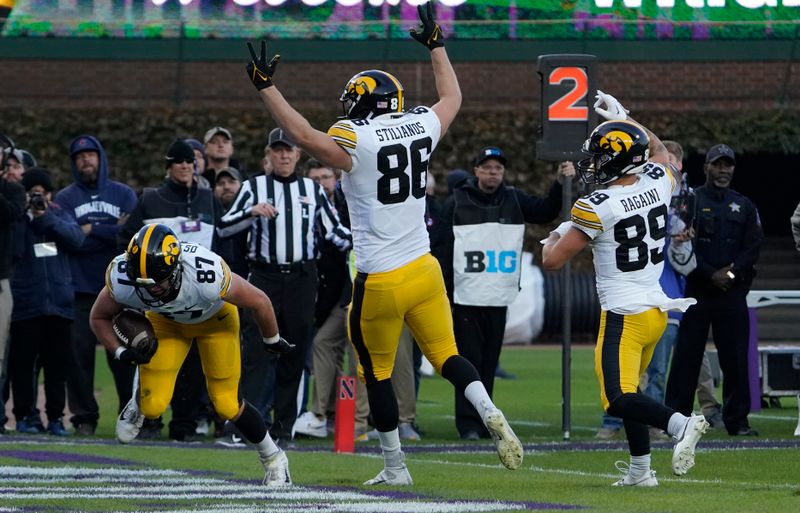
[[43, 305]]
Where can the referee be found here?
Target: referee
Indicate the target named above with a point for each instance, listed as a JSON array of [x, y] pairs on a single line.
[[287, 215]]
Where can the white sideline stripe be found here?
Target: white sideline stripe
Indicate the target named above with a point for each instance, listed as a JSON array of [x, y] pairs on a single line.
[[387, 506], [792, 418], [174, 485], [124, 480], [662, 478], [369, 507], [86, 471], [512, 422], [792, 486], [293, 493]]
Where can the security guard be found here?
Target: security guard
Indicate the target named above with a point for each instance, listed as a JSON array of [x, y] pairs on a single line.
[[727, 245], [480, 251]]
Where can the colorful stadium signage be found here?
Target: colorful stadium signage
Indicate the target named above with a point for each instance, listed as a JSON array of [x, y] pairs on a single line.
[[700, 4], [317, 3], [602, 4]]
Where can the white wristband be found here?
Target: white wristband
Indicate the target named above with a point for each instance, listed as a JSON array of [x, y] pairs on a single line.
[[271, 340], [119, 351]]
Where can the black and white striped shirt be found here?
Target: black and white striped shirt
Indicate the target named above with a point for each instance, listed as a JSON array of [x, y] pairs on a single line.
[[289, 237]]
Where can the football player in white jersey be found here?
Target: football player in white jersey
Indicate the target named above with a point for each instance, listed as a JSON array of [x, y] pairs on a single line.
[[625, 224], [384, 151], [188, 293]]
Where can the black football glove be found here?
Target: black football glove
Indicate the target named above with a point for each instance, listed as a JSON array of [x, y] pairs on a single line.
[[428, 33], [259, 70], [132, 357], [279, 347]]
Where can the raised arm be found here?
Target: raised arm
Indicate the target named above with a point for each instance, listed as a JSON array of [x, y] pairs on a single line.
[[614, 111], [318, 144], [430, 34]]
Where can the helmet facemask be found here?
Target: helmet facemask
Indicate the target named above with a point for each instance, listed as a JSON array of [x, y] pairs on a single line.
[[153, 264], [171, 285]]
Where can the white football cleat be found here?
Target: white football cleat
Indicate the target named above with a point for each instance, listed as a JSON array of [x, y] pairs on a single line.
[[646, 479], [277, 470], [308, 424], [129, 422], [683, 454], [508, 446], [392, 476]]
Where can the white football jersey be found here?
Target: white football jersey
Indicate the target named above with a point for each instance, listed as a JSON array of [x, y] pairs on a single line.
[[628, 226], [385, 189], [205, 280]]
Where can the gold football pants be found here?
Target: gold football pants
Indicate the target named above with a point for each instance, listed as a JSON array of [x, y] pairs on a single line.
[[382, 302], [220, 353], [625, 345]]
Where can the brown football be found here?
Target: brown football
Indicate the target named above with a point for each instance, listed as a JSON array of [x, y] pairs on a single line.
[[133, 329]]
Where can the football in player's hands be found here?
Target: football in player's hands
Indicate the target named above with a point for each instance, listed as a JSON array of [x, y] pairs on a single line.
[[135, 333]]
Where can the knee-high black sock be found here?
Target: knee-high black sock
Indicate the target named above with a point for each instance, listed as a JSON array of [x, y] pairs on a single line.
[[641, 408], [460, 372], [383, 405], [638, 435], [251, 424]]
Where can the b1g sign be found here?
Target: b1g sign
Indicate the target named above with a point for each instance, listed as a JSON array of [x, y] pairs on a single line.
[[490, 262], [568, 85]]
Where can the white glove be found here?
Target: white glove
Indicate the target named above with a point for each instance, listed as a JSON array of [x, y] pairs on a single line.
[[614, 110], [561, 230]]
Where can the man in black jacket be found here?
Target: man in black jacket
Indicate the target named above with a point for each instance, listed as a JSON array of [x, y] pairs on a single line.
[[480, 250], [727, 245], [12, 205]]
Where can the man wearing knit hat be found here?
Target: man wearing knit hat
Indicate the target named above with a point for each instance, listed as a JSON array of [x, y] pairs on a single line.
[[16, 164], [100, 206]]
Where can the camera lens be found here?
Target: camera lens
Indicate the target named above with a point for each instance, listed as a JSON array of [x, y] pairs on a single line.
[[38, 202]]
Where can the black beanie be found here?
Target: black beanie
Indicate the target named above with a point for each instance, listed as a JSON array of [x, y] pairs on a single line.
[[179, 151], [37, 176]]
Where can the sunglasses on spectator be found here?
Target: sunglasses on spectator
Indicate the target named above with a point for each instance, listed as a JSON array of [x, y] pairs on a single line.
[[181, 161]]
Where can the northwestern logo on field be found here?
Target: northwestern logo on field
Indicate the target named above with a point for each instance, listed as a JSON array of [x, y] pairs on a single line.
[[491, 261]]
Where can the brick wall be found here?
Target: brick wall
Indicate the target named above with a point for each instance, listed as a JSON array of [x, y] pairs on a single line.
[[644, 86]]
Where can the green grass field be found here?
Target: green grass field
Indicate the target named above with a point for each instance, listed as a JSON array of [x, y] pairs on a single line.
[[42, 473]]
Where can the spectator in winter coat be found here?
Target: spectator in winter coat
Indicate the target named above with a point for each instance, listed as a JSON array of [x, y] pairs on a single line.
[[100, 206], [43, 303]]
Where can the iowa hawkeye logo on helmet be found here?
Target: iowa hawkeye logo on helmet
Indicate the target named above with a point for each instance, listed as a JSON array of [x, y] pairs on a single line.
[[371, 93], [616, 141], [152, 258], [615, 148]]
